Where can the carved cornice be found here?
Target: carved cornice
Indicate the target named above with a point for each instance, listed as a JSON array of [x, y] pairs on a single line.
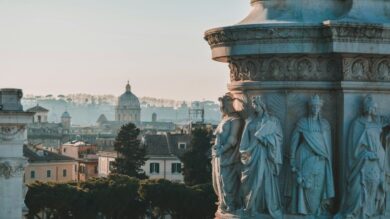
[[367, 33], [12, 167], [322, 36], [247, 34]]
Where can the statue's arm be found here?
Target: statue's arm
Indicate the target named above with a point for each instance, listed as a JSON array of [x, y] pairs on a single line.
[[385, 121], [233, 136]]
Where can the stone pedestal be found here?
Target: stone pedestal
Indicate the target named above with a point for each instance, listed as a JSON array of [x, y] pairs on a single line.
[[289, 50], [13, 135]]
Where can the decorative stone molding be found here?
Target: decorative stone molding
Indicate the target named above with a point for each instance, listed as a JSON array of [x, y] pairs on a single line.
[[364, 68], [283, 68], [12, 167], [363, 33], [11, 132], [326, 35], [261, 34]]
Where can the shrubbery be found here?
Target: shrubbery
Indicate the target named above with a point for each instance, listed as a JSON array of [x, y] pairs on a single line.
[[121, 197]]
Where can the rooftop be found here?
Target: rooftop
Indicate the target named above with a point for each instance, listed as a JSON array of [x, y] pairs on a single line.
[[34, 154], [37, 109]]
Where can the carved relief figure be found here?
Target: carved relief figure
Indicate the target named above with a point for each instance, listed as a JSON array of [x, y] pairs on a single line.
[[365, 193], [226, 157], [311, 162], [261, 158]]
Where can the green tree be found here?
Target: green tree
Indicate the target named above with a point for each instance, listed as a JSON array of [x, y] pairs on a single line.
[[166, 197], [116, 196], [131, 155], [197, 166]]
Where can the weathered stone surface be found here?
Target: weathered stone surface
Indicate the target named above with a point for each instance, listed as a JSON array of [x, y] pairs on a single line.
[[13, 134], [289, 50]]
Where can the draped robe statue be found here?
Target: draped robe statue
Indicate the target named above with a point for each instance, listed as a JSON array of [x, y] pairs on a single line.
[[312, 185], [226, 157], [261, 158], [365, 192]]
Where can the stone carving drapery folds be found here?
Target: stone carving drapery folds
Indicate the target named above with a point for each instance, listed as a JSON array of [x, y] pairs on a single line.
[[365, 190], [312, 185], [226, 157], [261, 158]]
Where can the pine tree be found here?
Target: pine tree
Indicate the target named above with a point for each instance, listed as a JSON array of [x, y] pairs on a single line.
[[197, 166], [131, 155]]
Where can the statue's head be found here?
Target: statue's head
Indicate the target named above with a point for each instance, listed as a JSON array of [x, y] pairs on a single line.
[[226, 103], [369, 106], [315, 105], [258, 104]]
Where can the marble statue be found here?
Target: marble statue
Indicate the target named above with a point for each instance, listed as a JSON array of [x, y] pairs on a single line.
[[312, 185], [365, 188], [226, 157], [261, 157]]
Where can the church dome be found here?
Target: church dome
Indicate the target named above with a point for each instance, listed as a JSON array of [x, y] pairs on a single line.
[[65, 115], [128, 99]]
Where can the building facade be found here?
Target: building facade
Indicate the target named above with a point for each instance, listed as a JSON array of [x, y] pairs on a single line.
[[162, 153], [47, 166]]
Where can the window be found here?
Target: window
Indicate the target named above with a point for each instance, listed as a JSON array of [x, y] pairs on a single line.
[[182, 146], [176, 168], [111, 166], [32, 174], [154, 168], [82, 169], [64, 150], [96, 169], [64, 172], [48, 173]]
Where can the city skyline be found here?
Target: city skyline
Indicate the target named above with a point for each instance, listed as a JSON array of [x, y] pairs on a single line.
[[95, 47]]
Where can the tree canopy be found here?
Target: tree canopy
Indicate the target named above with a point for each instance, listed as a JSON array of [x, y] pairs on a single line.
[[120, 197], [197, 166], [131, 155]]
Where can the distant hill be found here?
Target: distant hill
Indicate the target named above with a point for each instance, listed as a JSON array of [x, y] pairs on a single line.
[[86, 108]]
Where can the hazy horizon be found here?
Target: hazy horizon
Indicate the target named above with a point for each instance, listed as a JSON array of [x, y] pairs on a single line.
[[94, 47]]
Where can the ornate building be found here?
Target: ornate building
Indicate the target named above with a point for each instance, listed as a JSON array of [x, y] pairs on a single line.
[[311, 79], [13, 125], [128, 108], [49, 134]]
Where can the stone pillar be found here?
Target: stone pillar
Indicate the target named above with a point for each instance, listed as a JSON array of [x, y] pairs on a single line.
[[289, 50], [13, 135]]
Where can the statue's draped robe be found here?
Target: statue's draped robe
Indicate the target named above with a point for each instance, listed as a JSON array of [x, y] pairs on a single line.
[[312, 184], [261, 157], [226, 168], [365, 193]]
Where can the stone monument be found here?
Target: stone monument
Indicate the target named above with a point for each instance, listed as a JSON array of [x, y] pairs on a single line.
[[13, 121], [334, 55]]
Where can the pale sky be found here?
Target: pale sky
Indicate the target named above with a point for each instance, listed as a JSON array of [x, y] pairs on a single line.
[[95, 46]]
